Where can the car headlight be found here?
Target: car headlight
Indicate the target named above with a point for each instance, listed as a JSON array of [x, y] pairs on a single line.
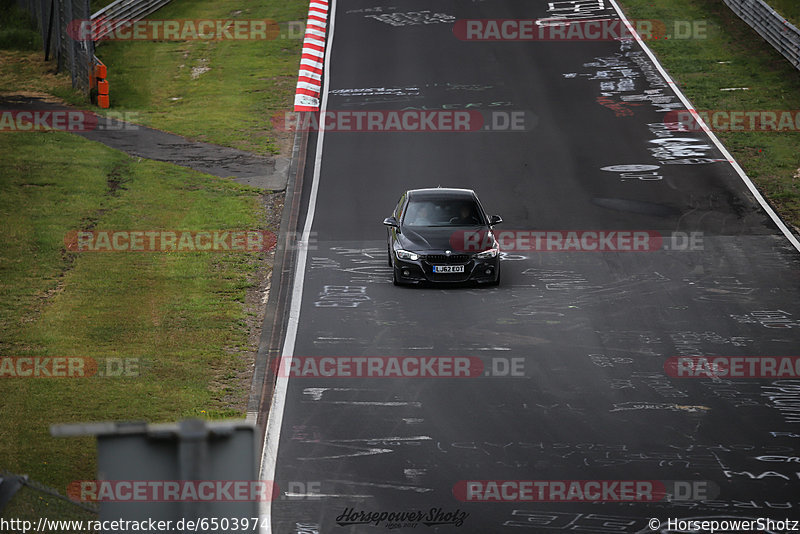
[[406, 255], [491, 253]]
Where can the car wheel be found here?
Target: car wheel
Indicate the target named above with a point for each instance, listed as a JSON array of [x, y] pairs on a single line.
[[496, 282], [395, 281], [389, 254]]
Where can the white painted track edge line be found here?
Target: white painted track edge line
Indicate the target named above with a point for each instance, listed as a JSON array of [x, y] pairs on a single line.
[[743, 175], [275, 419]]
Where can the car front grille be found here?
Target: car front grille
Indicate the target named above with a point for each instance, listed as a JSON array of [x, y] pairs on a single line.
[[444, 258]]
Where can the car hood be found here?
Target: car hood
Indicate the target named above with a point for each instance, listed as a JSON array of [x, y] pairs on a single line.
[[433, 238]]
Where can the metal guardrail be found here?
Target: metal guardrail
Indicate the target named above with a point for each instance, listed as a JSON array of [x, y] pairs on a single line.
[[61, 23], [121, 13], [116, 16], [31, 499], [775, 29]]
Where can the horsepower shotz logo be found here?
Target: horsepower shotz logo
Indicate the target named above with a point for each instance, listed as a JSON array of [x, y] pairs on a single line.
[[402, 519], [557, 240]]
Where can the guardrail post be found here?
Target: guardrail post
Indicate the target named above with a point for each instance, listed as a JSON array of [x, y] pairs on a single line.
[[9, 486]]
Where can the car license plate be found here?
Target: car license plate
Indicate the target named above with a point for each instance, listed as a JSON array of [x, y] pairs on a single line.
[[448, 269]]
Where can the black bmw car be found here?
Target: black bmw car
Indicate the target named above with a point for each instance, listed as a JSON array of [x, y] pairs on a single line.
[[442, 235]]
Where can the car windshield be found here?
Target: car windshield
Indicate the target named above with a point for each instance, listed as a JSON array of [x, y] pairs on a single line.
[[443, 212]]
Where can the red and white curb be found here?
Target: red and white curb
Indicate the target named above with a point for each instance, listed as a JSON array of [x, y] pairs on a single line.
[[309, 80]]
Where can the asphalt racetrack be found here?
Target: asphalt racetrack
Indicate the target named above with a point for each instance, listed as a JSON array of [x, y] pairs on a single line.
[[574, 344]]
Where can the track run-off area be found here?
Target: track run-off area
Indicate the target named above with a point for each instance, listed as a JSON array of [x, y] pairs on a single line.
[[576, 346]]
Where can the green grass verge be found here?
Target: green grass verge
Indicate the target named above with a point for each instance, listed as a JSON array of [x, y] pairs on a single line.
[[17, 28], [790, 9], [230, 104], [733, 55], [181, 315], [97, 5], [26, 72]]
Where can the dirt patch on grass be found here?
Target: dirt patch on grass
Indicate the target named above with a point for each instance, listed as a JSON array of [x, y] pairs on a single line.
[[116, 178], [28, 73]]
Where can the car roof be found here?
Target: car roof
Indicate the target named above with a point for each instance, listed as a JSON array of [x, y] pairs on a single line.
[[440, 192]]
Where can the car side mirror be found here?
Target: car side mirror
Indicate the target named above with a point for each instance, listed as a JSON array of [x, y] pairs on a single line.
[[391, 221], [495, 219]]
